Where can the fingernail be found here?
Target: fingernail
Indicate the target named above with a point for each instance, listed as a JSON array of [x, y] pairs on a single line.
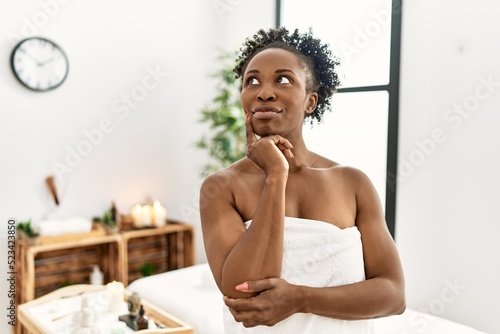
[[242, 287]]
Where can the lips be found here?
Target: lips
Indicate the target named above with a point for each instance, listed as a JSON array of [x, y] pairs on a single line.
[[265, 112]]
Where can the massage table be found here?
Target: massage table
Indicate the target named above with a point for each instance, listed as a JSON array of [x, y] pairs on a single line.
[[191, 295]]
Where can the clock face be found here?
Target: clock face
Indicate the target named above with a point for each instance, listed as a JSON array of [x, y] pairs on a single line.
[[39, 64]]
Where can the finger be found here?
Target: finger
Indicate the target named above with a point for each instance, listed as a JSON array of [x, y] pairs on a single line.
[[230, 302], [278, 140], [246, 318], [255, 286], [241, 304], [249, 131], [285, 146], [286, 151], [281, 147]]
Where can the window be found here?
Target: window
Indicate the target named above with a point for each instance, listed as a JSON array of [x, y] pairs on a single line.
[[362, 129]]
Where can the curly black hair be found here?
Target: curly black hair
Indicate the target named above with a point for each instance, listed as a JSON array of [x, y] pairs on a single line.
[[319, 61]]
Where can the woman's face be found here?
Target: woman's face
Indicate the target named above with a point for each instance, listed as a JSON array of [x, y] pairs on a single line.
[[274, 93]]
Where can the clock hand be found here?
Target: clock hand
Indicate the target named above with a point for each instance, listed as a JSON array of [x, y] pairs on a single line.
[[33, 58], [46, 61]]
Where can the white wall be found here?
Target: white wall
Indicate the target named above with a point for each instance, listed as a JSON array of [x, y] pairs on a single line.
[[448, 192], [112, 46]]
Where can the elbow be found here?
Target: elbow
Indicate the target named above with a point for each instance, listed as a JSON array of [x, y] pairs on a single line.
[[392, 299], [393, 305], [402, 309], [402, 302], [398, 300], [228, 290], [399, 306]]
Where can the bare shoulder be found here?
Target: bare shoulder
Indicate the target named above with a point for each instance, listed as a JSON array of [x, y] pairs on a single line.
[[221, 183], [216, 185], [352, 180], [350, 174], [354, 175], [217, 178], [367, 198]]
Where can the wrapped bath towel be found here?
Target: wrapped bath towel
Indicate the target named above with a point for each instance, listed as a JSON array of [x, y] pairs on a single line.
[[52, 227], [316, 254]]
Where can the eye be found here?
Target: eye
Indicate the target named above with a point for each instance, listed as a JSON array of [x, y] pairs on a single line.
[[252, 81], [283, 80]]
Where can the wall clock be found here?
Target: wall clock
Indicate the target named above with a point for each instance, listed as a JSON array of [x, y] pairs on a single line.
[[39, 64]]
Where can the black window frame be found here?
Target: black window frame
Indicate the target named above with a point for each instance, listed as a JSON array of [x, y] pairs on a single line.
[[392, 88]]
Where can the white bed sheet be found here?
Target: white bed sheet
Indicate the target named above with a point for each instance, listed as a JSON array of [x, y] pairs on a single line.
[[191, 295]]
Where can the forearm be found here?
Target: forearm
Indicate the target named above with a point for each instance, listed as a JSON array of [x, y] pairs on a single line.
[[258, 253], [368, 299]]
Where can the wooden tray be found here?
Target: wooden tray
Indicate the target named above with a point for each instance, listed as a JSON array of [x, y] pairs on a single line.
[[34, 325]]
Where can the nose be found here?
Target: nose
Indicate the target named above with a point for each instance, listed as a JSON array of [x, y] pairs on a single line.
[[266, 95]]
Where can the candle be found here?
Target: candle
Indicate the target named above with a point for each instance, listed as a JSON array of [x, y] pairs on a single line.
[[137, 216], [160, 214], [146, 215], [116, 296]]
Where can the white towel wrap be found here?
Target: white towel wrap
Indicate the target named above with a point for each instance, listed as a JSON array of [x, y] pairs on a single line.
[[316, 254], [52, 227]]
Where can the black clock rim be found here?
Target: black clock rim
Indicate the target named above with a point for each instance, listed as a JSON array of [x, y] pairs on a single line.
[[12, 56]]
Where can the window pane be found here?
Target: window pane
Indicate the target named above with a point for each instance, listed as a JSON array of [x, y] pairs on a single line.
[[358, 33], [355, 134]]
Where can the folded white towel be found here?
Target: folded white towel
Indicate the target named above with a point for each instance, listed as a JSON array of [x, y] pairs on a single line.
[[52, 227], [316, 254]]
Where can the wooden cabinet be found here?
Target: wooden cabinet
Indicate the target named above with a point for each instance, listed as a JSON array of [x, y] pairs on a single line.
[[49, 266], [164, 248]]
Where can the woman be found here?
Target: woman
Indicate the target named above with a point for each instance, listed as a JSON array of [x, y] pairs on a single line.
[[297, 243]]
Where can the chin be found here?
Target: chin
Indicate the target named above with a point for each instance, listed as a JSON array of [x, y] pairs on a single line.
[[265, 131]]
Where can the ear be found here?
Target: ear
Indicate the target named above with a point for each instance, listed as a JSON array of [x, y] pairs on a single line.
[[311, 102]]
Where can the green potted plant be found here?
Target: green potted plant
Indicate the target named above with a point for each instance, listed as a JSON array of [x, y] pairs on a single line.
[[225, 141], [108, 220], [26, 231], [147, 269]]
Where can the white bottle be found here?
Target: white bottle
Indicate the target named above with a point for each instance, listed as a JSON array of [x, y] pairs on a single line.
[[96, 276], [85, 324]]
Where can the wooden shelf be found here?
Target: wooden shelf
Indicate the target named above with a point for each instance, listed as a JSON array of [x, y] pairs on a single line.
[[48, 266]]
